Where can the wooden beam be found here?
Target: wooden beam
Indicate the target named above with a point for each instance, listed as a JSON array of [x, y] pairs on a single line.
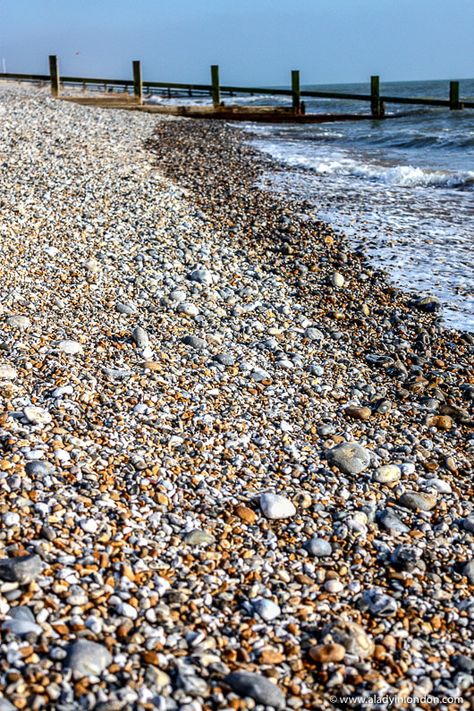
[[54, 75], [376, 103], [216, 90], [454, 103], [137, 81], [296, 90]]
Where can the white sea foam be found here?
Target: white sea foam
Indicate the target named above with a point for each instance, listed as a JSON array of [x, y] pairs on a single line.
[[341, 164]]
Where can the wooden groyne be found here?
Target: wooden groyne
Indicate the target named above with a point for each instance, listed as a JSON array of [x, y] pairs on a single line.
[[117, 95]]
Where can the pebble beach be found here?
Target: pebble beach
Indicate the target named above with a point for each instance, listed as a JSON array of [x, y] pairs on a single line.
[[235, 463]]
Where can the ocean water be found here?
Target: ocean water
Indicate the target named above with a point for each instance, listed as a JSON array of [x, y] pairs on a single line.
[[401, 189]]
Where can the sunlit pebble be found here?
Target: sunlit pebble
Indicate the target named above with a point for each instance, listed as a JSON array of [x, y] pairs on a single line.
[[89, 525]]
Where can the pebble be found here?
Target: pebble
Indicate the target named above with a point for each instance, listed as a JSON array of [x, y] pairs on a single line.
[[187, 308], [352, 637], [333, 586], [87, 658], [140, 337], [127, 309], [39, 467], [392, 523], [197, 537], [337, 280], [468, 571], [19, 322], [358, 413], [349, 458], [275, 506], [21, 628], [441, 422], [22, 569], [387, 474], [8, 373], [266, 609], [10, 519], [318, 547], [429, 304], [196, 342], [37, 415], [202, 276], [378, 603], [415, 500], [70, 347], [327, 653], [89, 525], [256, 687]]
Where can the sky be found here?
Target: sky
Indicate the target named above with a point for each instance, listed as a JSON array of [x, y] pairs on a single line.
[[255, 42]]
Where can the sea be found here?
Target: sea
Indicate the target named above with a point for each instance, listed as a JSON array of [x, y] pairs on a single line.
[[401, 189]]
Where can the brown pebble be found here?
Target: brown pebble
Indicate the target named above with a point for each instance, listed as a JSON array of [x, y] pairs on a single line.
[[246, 514], [441, 422], [358, 413], [325, 653]]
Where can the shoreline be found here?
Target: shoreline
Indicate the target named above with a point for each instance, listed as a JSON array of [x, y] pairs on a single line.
[[194, 346]]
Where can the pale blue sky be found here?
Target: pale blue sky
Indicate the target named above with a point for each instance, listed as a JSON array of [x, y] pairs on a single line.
[[254, 41]]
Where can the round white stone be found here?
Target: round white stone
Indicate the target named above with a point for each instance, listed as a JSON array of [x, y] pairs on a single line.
[[275, 506], [70, 347], [37, 415], [11, 519], [7, 372], [266, 609], [89, 525]]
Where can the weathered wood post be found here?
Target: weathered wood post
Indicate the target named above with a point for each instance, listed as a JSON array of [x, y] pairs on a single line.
[[137, 81], [54, 74], [454, 103], [377, 106], [216, 89], [296, 90]]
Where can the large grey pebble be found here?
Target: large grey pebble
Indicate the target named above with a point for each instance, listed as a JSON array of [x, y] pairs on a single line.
[[318, 547], [22, 569], [415, 500], [256, 687], [392, 523], [88, 658], [127, 309], [468, 571], [226, 359], [349, 457], [378, 603], [39, 467], [266, 609], [140, 336], [202, 276], [199, 344], [21, 628]]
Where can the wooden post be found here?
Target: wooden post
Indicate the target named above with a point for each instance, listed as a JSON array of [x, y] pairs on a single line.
[[54, 74], [454, 103], [295, 89], [216, 89], [378, 109], [137, 81]]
